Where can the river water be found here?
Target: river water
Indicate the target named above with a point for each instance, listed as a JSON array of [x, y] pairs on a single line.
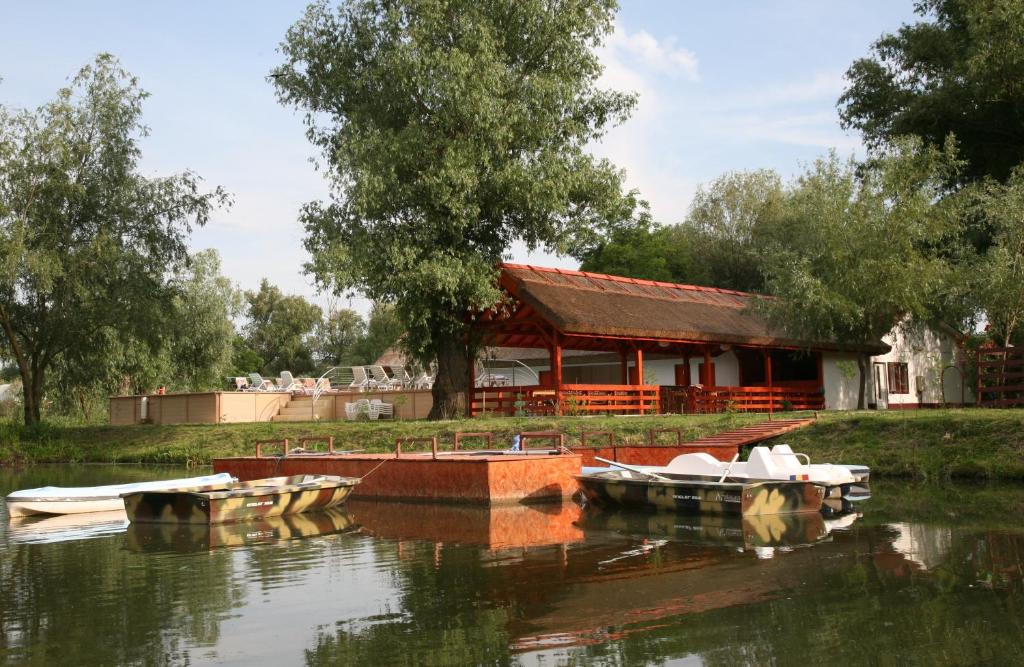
[[918, 575]]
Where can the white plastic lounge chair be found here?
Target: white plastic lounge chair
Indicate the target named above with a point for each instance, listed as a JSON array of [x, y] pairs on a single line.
[[362, 381], [257, 383], [379, 407], [423, 381], [382, 380], [401, 376], [241, 384], [287, 382]]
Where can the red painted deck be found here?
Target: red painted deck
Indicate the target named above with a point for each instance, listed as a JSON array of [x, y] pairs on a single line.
[[722, 446], [458, 478], [496, 479]]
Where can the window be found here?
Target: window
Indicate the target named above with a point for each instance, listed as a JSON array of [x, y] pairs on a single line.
[[899, 378]]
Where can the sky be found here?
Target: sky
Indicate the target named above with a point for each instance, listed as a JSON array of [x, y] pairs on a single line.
[[723, 86]]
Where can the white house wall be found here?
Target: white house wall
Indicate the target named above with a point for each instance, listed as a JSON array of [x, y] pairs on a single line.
[[926, 354], [841, 379]]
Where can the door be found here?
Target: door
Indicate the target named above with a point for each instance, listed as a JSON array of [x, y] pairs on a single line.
[[881, 385]]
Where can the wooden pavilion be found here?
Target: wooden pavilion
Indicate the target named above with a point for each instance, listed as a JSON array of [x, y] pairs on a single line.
[[557, 310]]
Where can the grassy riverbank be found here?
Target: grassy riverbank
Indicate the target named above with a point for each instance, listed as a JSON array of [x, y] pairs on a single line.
[[926, 444]]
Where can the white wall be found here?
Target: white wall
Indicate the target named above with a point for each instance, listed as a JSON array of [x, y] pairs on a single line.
[[926, 353], [841, 379]]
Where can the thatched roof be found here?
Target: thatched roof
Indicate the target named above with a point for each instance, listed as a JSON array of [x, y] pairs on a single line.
[[590, 304]]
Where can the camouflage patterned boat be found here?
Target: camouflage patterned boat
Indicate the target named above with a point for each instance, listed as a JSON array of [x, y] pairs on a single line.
[[625, 488], [240, 501], [197, 537]]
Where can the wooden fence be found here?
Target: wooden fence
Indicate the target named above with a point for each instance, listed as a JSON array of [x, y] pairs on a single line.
[[570, 399], [752, 399], [1000, 377]]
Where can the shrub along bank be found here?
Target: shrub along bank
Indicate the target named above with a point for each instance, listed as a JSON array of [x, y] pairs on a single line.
[[925, 444]]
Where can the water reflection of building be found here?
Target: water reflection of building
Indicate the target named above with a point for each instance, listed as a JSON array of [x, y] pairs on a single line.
[[926, 545]]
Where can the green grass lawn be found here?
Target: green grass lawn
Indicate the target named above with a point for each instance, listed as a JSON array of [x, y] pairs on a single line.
[[928, 444]]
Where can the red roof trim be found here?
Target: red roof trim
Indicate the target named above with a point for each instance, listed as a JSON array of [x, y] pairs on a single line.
[[622, 279]]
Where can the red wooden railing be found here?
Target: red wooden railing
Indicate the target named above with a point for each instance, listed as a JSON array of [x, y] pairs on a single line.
[[570, 399], [752, 399], [1000, 377]]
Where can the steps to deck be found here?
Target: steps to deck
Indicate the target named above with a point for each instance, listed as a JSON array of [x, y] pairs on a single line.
[[748, 435], [300, 409]]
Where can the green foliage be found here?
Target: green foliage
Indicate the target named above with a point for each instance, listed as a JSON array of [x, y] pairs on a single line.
[[336, 338], [86, 241], [382, 332], [244, 359], [996, 275], [718, 245], [451, 130], [202, 331], [280, 329], [855, 253], [959, 72]]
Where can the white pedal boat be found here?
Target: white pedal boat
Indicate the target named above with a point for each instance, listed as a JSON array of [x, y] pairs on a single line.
[[775, 464], [78, 500]]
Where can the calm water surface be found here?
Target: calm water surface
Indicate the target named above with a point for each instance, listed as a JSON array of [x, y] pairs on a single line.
[[924, 575]]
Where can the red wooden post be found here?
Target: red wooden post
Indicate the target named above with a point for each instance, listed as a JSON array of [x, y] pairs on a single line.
[[470, 386], [556, 372], [638, 361], [705, 375], [768, 377]]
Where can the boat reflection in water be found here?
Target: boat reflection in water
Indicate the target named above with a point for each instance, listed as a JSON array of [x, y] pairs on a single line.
[[749, 532], [188, 538], [50, 529], [499, 527]]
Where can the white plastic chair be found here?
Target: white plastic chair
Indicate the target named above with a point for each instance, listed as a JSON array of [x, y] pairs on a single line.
[[360, 407], [287, 382], [379, 407], [401, 376], [382, 380], [423, 381], [257, 383], [360, 380]]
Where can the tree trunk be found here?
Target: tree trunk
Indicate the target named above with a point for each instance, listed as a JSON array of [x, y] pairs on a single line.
[[450, 384], [863, 363]]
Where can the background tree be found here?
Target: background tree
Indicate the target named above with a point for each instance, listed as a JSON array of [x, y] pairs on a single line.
[[996, 278], [854, 255], [960, 72], [337, 336], [192, 352], [651, 252], [383, 330], [280, 328], [202, 325], [450, 130], [717, 245], [86, 241]]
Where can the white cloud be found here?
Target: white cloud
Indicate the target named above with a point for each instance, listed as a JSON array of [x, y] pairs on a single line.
[[645, 51]]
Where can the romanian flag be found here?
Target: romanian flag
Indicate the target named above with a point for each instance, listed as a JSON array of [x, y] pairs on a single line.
[[801, 478]]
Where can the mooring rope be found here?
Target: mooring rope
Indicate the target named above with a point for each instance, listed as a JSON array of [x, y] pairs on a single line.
[[374, 469]]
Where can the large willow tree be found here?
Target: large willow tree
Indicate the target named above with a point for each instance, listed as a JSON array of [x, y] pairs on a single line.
[[87, 243], [451, 129]]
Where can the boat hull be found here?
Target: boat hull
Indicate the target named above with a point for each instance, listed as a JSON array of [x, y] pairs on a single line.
[[242, 501], [83, 500], [614, 489]]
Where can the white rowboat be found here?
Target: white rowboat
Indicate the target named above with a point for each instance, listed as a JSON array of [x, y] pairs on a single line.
[[78, 500]]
